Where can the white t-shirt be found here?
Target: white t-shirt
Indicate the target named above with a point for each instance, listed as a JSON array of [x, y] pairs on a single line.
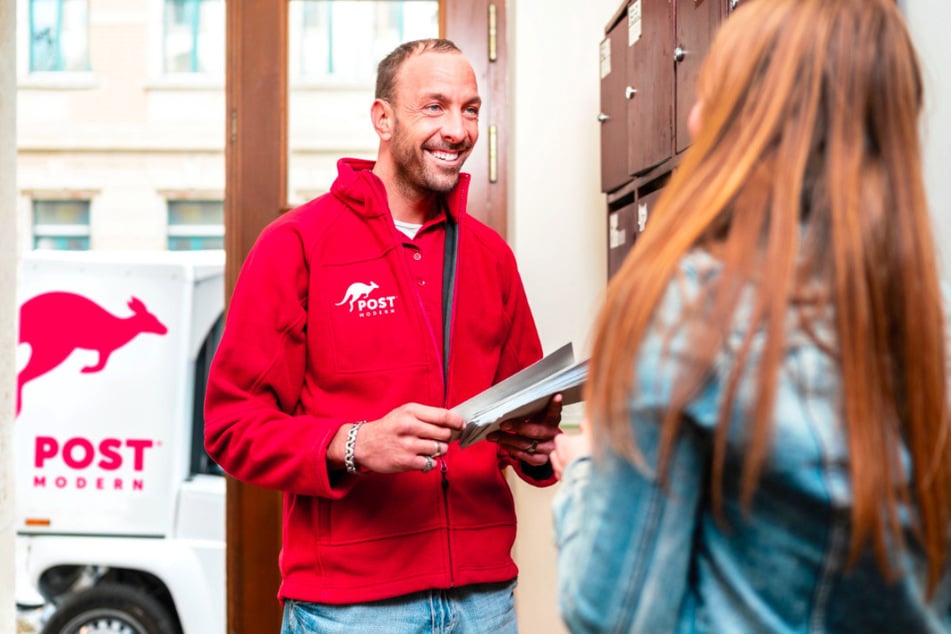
[[408, 228]]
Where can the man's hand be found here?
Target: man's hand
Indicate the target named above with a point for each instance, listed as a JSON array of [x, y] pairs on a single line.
[[532, 439], [409, 438], [568, 447]]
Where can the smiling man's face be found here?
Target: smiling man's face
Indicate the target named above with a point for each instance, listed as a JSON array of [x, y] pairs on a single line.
[[435, 121]]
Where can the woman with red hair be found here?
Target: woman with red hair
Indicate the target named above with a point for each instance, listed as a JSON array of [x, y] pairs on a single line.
[[767, 402]]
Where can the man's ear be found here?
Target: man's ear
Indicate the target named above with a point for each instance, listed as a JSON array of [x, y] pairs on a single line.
[[381, 113]]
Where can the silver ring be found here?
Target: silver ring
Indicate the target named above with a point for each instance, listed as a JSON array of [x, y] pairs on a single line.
[[429, 464], [532, 448], [437, 452]]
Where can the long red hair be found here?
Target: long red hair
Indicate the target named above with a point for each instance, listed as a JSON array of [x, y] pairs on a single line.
[[805, 174]]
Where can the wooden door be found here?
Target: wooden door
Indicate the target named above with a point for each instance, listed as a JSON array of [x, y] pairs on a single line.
[[647, 198], [478, 27], [622, 231], [255, 193], [650, 90], [628, 219], [613, 115], [696, 23]]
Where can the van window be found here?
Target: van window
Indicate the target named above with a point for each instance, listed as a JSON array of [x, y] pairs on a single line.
[[201, 462]]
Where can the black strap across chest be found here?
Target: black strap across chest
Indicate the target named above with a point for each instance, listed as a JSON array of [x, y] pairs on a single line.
[[448, 288]]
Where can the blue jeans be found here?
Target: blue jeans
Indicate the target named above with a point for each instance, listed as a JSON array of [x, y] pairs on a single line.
[[468, 610]]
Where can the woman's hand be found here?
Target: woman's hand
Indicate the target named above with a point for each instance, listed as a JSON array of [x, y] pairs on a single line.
[[569, 446]]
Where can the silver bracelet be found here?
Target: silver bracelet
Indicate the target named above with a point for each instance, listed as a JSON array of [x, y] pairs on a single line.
[[349, 447]]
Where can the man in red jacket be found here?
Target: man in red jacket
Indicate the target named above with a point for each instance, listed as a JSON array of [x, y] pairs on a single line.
[[357, 320]]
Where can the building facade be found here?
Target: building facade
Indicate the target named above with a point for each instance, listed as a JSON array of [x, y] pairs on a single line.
[[121, 112]]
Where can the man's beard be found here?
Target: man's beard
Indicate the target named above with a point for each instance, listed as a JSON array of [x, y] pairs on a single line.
[[417, 175]]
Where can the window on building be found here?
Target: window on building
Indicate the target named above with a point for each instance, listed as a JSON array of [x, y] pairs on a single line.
[[343, 40], [196, 224], [61, 225], [59, 35], [194, 36]]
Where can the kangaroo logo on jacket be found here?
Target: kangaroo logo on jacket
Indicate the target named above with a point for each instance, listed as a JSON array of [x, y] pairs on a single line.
[[358, 297]]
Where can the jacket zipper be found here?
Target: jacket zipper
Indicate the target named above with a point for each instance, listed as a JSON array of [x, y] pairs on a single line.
[[450, 256], [444, 471]]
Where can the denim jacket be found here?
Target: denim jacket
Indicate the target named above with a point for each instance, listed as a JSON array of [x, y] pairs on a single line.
[[635, 556]]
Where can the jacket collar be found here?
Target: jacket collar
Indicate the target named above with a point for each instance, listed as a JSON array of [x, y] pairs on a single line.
[[364, 192]]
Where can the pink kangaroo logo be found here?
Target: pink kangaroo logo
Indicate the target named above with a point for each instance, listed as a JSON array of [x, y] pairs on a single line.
[[55, 324]]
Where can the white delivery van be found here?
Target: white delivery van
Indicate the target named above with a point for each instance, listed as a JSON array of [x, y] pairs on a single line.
[[120, 513]]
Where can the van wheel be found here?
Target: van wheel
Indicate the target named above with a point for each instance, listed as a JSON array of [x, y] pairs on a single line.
[[110, 609]]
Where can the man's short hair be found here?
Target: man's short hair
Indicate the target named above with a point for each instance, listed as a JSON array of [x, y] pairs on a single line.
[[390, 65]]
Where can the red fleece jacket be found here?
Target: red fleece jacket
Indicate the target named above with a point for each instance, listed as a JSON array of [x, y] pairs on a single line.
[[298, 359]]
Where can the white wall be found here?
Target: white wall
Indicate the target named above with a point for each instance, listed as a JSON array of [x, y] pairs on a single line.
[[557, 212], [928, 20], [557, 217]]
